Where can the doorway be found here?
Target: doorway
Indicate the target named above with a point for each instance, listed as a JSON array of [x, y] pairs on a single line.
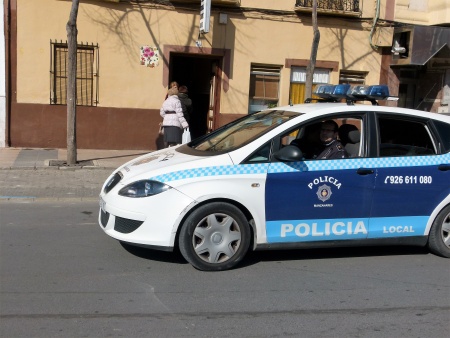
[[407, 95], [200, 74]]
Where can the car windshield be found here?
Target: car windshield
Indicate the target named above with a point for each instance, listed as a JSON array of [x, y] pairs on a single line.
[[242, 131]]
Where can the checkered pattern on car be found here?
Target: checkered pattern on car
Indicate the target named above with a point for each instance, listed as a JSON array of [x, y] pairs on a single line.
[[380, 162], [228, 170], [320, 165]]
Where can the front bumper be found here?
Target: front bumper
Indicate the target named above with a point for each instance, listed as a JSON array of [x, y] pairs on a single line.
[[149, 221]]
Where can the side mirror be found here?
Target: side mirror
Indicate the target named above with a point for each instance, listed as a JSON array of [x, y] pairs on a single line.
[[289, 154]]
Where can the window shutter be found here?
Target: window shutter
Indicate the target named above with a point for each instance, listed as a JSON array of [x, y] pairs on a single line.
[[264, 83]]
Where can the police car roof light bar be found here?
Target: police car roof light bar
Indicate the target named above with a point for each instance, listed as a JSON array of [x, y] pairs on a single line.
[[352, 94]]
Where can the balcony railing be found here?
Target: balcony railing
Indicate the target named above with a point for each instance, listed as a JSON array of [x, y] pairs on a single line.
[[329, 6]]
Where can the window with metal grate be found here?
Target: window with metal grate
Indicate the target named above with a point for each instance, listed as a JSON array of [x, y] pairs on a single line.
[[87, 73]]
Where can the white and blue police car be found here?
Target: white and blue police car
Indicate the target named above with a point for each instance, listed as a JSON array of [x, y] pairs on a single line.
[[257, 183]]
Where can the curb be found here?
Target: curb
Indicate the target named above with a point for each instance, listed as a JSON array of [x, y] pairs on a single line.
[[33, 199]]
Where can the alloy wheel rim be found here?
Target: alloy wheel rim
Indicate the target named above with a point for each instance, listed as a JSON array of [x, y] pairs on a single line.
[[216, 238]]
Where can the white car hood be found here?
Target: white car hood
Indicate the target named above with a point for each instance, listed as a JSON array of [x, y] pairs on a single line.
[[167, 161]]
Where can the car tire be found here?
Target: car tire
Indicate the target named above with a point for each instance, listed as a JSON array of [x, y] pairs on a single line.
[[439, 238], [216, 236]]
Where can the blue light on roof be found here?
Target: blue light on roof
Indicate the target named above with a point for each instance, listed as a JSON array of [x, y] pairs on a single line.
[[330, 91], [358, 91], [323, 90], [378, 92], [335, 93], [340, 91]]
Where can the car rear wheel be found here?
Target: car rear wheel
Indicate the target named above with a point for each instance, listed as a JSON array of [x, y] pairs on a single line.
[[215, 237], [439, 239]]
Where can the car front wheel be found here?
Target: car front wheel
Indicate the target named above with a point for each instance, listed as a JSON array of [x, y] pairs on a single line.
[[439, 239], [215, 237]]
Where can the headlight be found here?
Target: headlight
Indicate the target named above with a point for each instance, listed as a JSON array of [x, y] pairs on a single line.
[[143, 188]]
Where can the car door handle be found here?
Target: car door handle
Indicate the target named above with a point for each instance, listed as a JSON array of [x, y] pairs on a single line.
[[444, 167], [364, 171]]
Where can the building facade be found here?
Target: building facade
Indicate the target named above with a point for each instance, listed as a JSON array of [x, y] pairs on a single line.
[[237, 58]]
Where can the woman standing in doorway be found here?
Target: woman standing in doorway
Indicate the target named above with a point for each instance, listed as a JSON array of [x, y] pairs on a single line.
[[173, 84], [173, 119]]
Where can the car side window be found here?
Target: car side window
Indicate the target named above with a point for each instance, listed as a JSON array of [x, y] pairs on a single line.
[[308, 139], [261, 155], [398, 137]]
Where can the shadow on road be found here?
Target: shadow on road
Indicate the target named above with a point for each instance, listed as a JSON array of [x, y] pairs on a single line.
[[330, 253], [155, 255], [256, 257]]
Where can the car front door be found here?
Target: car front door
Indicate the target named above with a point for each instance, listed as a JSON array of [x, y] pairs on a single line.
[[318, 200]]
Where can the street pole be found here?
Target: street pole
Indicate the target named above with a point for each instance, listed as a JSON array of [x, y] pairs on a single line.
[[72, 33]]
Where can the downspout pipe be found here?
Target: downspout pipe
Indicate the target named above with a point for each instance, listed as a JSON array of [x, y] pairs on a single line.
[[7, 34], [375, 21]]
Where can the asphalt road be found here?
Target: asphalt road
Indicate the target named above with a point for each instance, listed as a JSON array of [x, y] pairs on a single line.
[[61, 276]]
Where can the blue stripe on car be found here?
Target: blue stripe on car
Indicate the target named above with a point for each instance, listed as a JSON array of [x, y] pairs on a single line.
[[289, 231]]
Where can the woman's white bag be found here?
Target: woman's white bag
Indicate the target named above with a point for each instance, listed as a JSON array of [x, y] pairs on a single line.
[[186, 138]]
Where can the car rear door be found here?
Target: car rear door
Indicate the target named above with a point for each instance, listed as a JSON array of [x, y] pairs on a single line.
[[412, 178]]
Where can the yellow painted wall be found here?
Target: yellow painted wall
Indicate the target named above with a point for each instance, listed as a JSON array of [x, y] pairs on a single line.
[[423, 12], [120, 30]]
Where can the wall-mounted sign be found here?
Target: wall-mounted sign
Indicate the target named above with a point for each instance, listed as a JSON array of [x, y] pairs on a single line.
[[439, 63], [205, 13]]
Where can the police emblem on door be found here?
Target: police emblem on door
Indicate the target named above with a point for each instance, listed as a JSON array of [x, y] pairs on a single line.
[[324, 193]]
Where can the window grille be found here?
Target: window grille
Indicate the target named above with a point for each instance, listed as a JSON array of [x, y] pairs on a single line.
[[87, 74]]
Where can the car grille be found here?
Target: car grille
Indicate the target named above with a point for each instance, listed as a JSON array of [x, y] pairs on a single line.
[[104, 217], [125, 225], [113, 182]]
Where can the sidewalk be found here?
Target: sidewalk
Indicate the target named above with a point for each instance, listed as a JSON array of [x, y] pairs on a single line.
[[36, 158], [26, 174]]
